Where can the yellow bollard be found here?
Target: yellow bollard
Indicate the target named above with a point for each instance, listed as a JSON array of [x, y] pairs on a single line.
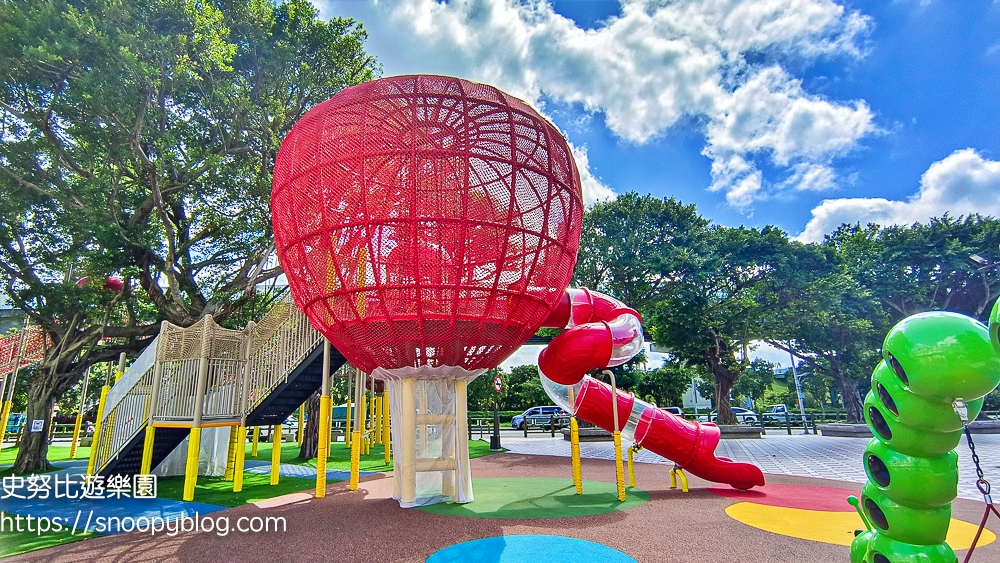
[[147, 451], [275, 453], [256, 439], [97, 429], [241, 455], [631, 467], [574, 441], [386, 436], [301, 424], [324, 445], [355, 460], [619, 468], [231, 454], [191, 468]]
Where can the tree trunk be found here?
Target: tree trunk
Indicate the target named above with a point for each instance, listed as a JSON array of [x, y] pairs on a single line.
[[723, 387], [33, 447], [849, 393], [310, 438]]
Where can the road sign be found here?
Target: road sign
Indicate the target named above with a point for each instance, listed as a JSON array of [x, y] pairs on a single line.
[[498, 384]]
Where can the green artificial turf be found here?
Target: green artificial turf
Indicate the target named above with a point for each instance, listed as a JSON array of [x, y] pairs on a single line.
[[539, 497], [56, 453], [12, 543], [216, 490]]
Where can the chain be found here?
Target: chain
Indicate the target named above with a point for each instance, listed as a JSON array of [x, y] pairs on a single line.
[[981, 483]]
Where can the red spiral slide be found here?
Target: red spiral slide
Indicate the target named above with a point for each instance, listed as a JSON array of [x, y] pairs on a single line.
[[603, 332]]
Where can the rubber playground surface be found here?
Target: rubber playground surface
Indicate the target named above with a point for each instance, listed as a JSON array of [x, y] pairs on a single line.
[[526, 510]]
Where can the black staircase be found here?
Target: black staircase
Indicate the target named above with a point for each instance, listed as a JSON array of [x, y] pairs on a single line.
[[129, 461], [300, 385]]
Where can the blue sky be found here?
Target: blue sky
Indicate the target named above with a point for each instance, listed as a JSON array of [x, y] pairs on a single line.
[[800, 114]]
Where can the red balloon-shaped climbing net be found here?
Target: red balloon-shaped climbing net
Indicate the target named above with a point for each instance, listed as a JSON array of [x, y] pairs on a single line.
[[426, 220]]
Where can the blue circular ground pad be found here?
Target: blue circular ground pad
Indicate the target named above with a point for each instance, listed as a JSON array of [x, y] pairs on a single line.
[[528, 549]]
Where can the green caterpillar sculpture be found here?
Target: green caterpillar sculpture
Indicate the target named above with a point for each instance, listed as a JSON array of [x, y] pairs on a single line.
[[930, 361]]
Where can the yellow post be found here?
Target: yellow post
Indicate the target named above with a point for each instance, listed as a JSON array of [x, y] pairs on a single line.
[[97, 429], [324, 445], [631, 467], [355, 460], [275, 453], [619, 467], [256, 438], [191, 468], [79, 416], [301, 423], [231, 454], [4, 418], [241, 456], [147, 450], [574, 441], [323, 451], [386, 435]]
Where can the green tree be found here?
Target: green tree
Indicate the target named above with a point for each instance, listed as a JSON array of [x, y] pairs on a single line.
[[481, 392], [755, 380], [634, 246], [830, 321], [666, 384], [523, 389], [721, 302], [139, 138], [924, 267]]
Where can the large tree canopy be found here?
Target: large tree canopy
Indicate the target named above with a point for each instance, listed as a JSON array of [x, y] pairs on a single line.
[[138, 139], [928, 266]]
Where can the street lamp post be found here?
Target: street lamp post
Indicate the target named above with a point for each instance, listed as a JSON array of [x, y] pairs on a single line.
[[798, 391]]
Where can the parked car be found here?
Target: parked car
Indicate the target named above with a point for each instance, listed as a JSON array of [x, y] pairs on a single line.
[[674, 410], [540, 416], [743, 416], [777, 414]]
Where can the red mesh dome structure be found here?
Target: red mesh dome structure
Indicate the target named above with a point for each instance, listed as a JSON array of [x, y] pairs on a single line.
[[426, 221]]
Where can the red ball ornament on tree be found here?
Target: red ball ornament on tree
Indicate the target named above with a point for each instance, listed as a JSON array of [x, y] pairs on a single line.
[[426, 221]]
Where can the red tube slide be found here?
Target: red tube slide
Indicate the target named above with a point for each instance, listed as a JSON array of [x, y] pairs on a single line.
[[603, 332]]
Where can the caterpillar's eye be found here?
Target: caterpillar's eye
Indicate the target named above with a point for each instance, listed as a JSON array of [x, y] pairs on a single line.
[[900, 372]]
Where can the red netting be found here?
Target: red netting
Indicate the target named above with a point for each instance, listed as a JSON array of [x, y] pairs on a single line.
[[34, 349], [426, 220]]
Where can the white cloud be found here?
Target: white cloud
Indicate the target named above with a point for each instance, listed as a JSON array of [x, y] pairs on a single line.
[[657, 62], [593, 189], [811, 177], [960, 184]]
